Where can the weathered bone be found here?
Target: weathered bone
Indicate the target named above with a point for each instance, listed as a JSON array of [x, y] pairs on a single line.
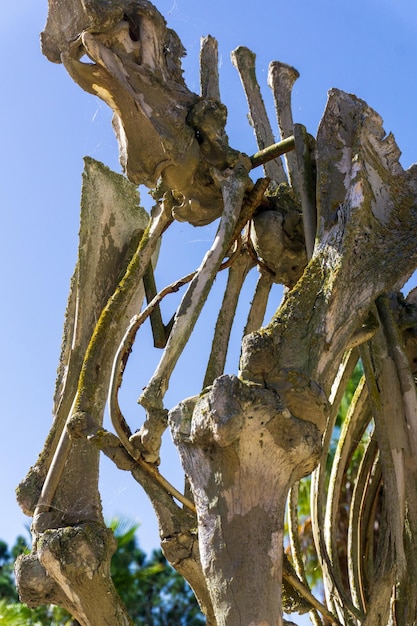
[[163, 129], [209, 69], [91, 392], [259, 303], [281, 79], [256, 449], [278, 409], [237, 274], [277, 236], [350, 182], [72, 567], [306, 185], [394, 403], [110, 219], [233, 184], [244, 61]]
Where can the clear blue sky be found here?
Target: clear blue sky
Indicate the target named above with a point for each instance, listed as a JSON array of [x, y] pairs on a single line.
[[366, 47]]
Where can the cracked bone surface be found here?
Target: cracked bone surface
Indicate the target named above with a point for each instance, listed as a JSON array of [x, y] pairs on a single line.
[[257, 446], [164, 130]]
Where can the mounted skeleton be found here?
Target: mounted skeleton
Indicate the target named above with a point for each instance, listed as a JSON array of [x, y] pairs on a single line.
[[323, 225]]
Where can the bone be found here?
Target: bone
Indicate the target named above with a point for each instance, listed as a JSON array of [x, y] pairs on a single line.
[[244, 61], [307, 186], [209, 69], [237, 274], [281, 78], [233, 184], [259, 303]]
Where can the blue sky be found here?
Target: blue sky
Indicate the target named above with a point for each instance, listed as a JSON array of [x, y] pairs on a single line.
[[48, 124]]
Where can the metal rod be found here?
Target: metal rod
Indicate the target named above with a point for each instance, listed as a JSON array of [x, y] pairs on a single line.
[[272, 152]]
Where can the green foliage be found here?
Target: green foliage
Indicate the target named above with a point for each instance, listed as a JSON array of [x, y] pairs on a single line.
[[154, 594], [18, 614], [7, 588]]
